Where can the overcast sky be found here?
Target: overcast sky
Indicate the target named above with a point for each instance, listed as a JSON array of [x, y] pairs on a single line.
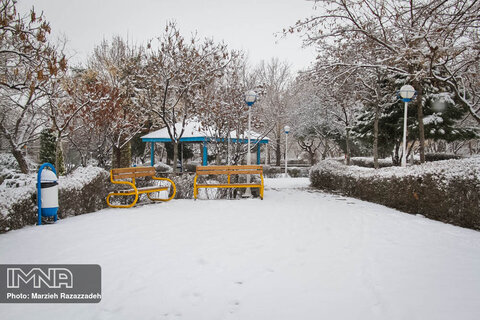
[[242, 24]]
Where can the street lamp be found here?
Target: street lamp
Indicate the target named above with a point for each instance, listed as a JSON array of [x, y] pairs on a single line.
[[250, 98], [407, 92], [287, 130]]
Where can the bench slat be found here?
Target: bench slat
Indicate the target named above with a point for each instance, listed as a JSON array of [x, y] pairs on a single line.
[[132, 175], [133, 169], [132, 172]]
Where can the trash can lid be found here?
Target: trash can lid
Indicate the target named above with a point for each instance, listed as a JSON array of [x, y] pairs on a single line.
[[48, 176]]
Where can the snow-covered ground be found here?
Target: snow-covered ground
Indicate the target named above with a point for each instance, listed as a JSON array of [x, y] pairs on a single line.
[[298, 254]]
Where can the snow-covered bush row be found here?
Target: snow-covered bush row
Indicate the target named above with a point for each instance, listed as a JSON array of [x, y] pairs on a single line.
[[368, 162], [447, 191], [441, 156], [81, 192], [294, 172], [161, 167]]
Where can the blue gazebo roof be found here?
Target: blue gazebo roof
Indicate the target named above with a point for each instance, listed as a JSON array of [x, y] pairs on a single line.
[[194, 132]]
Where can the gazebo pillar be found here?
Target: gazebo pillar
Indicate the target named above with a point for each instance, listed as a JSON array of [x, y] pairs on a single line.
[[152, 153], [205, 154], [258, 153]]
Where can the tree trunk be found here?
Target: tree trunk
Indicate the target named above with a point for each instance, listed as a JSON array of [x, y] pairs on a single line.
[[278, 151], [375, 138], [121, 157], [175, 157], [325, 151], [115, 157], [59, 160], [421, 129], [22, 163], [17, 153], [396, 157], [347, 142], [312, 157], [269, 160]]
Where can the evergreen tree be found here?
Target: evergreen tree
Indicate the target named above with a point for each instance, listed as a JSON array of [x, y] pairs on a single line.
[[441, 120], [50, 151], [47, 146]]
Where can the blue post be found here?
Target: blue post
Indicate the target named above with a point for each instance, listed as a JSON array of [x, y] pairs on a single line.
[[152, 153], [258, 153], [39, 190], [205, 154]]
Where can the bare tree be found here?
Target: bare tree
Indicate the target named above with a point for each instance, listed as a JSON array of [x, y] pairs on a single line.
[[275, 79], [112, 80], [28, 62], [412, 39], [175, 74]]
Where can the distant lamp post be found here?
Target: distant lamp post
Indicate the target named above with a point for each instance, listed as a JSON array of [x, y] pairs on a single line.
[[250, 99], [407, 92], [287, 130]]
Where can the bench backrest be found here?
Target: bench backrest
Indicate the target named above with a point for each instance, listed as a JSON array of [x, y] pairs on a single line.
[[204, 170], [132, 173]]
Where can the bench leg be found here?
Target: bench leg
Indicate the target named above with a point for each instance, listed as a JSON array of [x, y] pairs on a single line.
[[164, 200], [195, 189], [122, 195]]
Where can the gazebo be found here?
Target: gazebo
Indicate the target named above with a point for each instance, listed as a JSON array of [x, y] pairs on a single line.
[[195, 133]]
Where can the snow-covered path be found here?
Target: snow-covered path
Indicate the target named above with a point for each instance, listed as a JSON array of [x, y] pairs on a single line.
[[298, 254]]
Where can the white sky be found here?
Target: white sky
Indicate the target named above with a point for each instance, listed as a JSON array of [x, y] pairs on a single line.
[[242, 24]]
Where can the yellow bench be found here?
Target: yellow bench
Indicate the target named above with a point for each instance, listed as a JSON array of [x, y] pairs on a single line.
[[229, 171], [118, 176]]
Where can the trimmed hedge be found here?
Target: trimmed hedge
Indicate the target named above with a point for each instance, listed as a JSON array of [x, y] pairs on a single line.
[[81, 192], [447, 191], [294, 172]]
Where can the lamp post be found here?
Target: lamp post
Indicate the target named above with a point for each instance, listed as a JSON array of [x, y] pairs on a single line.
[[287, 130], [250, 98], [407, 92]]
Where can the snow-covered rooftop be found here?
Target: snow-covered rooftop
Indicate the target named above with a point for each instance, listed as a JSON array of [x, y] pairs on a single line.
[[195, 131]]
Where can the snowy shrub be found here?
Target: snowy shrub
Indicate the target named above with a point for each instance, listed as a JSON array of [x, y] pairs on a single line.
[[447, 191], [81, 192], [7, 161], [294, 172], [440, 156], [190, 167], [9, 164], [369, 163], [184, 185], [366, 162], [162, 167]]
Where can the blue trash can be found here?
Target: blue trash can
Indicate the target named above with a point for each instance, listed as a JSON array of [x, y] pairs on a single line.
[[47, 193]]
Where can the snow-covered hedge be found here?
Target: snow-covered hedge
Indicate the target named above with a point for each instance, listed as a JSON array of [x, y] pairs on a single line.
[[369, 163], [81, 192], [294, 172], [161, 167], [447, 191]]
